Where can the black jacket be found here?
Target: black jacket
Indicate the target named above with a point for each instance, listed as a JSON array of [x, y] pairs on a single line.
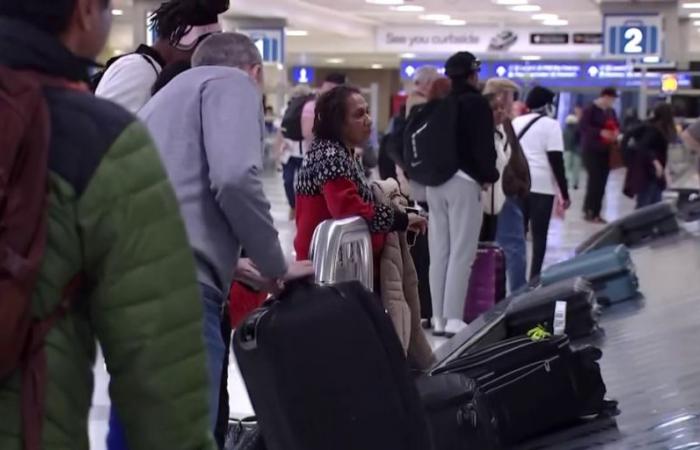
[[475, 144]]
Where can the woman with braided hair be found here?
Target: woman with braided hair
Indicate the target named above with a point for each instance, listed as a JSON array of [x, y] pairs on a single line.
[[179, 25]]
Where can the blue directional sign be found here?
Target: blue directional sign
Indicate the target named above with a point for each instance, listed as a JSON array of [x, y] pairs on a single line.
[[633, 36], [303, 75]]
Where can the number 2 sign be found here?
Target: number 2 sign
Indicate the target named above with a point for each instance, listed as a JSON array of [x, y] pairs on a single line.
[[633, 35]]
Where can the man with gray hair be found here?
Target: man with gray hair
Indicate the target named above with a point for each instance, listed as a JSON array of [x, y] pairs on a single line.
[[208, 124]]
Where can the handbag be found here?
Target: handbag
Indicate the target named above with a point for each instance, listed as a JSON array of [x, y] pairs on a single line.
[[244, 434]]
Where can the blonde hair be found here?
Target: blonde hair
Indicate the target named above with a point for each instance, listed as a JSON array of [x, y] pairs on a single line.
[[500, 85]]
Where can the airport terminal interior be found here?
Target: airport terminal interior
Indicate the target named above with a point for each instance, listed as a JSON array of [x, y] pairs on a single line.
[[577, 88]]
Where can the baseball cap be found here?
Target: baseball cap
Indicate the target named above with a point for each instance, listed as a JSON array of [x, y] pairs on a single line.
[[462, 64], [539, 97]]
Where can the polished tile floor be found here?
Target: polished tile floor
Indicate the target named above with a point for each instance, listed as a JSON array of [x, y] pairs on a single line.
[[563, 237]]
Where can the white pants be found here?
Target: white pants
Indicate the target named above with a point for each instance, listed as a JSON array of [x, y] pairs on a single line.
[[456, 214]]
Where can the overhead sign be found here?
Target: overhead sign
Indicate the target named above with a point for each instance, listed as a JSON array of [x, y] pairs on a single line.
[[269, 42], [549, 38], [479, 40], [588, 38], [633, 35], [303, 75], [561, 74]]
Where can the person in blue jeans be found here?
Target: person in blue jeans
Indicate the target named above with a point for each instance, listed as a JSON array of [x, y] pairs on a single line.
[[514, 185]]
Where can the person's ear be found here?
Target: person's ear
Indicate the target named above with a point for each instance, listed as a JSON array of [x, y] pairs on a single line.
[[84, 14]]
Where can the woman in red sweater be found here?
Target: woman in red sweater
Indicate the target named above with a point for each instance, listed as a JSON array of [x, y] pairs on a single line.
[[331, 183]]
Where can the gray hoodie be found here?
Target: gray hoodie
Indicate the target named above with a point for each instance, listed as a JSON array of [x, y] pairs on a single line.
[[208, 125]]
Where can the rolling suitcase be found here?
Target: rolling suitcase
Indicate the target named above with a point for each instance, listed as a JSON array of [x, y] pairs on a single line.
[[610, 271], [532, 387], [457, 414], [643, 225], [537, 307], [487, 284], [325, 370]]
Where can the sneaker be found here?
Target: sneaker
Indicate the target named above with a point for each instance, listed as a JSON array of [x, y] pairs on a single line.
[[439, 327], [453, 327], [600, 221]]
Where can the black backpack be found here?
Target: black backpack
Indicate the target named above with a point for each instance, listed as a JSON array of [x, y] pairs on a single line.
[[291, 122], [97, 77], [430, 142]]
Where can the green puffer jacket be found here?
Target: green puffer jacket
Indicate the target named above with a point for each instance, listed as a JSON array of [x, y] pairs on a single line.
[[113, 218]]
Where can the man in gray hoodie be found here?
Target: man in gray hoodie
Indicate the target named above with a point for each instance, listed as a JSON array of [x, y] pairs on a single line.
[[209, 124]]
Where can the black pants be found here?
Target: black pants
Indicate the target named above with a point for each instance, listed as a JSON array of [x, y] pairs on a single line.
[[537, 210], [598, 168]]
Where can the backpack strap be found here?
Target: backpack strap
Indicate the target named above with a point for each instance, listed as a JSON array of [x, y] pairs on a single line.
[[529, 125]]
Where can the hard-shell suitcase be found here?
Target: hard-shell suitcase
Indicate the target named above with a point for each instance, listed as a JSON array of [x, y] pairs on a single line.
[[487, 284], [610, 271], [534, 387], [325, 370], [538, 307], [457, 413], [638, 227]]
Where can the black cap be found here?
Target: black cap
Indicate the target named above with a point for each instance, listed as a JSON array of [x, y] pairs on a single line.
[[462, 64], [336, 78], [609, 92], [539, 97]]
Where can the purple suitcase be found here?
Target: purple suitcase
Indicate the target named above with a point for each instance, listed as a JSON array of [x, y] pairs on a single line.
[[487, 284]]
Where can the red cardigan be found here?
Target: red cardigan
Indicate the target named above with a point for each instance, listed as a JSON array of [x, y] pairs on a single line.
[[331, 185]]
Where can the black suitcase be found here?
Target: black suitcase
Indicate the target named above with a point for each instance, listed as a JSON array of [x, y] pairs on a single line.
[[457, 413], [636, 228], [689, 208], [533, 387], [537, 307], [325, 370], [421, 259]]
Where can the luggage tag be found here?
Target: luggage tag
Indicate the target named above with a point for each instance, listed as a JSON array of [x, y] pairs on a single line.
[[559, 318]]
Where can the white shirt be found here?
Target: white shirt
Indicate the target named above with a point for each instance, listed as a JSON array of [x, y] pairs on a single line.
[[493, 198], [128, 81], [543, 137]]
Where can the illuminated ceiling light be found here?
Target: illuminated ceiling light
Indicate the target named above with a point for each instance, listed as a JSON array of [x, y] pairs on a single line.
[[436, 17], [335, 61], [697, 23], [408, 55], [694, 15], [453, 23], [408, 8], [376, 66], [543, 16], [511, 2], [526, 8], [651, 59], [531, 58], [117, 12], [296, 33], [691, 5], [385, 2], [555, 23]]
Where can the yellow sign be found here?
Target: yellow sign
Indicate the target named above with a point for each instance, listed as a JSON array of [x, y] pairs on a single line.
[[669, 83]]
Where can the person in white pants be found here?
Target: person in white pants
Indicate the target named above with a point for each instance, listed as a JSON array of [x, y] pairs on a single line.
[[455, 207]]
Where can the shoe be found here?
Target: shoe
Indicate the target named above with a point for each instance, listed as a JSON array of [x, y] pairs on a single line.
[[292, 214], [454, 326], [425, 324], [439, 327], [600, 221]]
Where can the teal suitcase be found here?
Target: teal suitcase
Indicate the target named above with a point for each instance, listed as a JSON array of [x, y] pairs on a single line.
[[610, 271]]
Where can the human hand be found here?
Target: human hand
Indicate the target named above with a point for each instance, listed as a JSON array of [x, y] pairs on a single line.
[[486, 186], [249, 274], [608, 135], [298, 270], [417, 223], [566, 204], [659, 169]]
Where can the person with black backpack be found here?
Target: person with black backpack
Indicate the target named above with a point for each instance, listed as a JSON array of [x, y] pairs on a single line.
[[180, 25], [449, 148]]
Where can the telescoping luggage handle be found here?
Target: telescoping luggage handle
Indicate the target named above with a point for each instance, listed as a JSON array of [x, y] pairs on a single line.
[[341, 250]]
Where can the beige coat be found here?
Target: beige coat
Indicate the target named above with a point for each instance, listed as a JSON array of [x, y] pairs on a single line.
[[399, 284]]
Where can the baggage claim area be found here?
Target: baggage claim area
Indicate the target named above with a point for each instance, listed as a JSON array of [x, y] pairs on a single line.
[[600, 351]]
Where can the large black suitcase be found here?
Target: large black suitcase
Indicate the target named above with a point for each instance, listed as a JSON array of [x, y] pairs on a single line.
[[457, 413], [325, 370], [636, 228], [537, 307], [533, 387]]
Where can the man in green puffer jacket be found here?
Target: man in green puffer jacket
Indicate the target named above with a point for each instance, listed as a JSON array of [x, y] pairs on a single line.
[[113, 218]]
